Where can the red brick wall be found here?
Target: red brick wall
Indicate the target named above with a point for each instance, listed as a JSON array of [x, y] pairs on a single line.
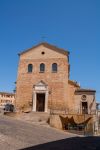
[[57, 82]]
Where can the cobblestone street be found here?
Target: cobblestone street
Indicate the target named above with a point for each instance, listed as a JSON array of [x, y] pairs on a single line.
[[16, 134]]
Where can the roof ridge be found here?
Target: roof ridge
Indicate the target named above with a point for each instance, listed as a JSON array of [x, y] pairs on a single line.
[[61, 50], [85, 90], [74, 82], [6, 93]]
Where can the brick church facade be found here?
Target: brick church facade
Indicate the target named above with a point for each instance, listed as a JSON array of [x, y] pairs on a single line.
[[43, 83]]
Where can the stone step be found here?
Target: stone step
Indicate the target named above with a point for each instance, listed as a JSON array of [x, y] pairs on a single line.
[[35, 116]]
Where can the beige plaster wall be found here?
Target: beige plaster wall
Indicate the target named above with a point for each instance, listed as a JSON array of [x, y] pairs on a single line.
[[90, 99]]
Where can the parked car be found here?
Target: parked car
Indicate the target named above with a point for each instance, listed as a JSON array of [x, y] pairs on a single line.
[[9, 107]]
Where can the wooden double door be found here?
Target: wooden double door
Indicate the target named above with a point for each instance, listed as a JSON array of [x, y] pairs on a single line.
[[40, 102]]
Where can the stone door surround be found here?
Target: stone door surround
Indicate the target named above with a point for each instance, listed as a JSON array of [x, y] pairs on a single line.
[[40, 87]]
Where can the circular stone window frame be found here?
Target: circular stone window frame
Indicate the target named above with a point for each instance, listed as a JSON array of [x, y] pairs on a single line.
[[42, 52], [83, 97]]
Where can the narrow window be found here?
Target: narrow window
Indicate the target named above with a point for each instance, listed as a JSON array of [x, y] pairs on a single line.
[[42, 67], [30, 68], [54, 67]]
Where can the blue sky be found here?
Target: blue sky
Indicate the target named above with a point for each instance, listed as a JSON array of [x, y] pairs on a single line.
[[69, 24]]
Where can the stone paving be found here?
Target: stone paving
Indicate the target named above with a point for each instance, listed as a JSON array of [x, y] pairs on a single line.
[[17, 134]]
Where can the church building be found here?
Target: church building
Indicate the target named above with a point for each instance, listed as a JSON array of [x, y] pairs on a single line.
[[43, 83]]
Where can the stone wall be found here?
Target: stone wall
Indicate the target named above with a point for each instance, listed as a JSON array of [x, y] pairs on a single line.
[[55, 121], [72, 105]]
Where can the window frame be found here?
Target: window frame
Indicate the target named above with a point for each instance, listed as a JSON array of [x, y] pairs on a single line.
[[30, 68], [42, 68], [54, 68]]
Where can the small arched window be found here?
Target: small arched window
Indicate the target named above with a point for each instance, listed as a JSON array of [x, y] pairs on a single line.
[[30, 68], [42, 67], [54, 67]]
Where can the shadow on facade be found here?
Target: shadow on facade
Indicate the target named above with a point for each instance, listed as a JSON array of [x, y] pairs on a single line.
[[75, 143]]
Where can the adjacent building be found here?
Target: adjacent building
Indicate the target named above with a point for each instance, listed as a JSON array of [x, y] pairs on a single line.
[[6, 98]]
